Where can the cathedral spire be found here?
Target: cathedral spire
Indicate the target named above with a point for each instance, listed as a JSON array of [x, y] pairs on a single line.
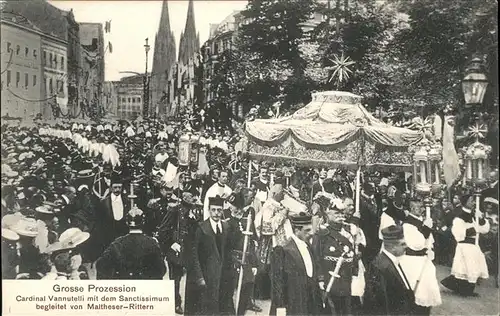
[[163, 59], [189, 42]]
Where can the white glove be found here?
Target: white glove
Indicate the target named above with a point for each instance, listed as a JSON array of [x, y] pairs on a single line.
[[322, 285], [176, 247], [254, 271], [281, 311]]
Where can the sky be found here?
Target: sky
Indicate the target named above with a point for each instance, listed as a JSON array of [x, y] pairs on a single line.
[[134, 21]]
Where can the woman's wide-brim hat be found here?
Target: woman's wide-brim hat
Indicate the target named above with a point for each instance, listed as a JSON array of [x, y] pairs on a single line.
[[9, 234], [69, 239], [27, 227]]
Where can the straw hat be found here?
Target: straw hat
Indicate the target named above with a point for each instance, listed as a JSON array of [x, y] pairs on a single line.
[[69, 239], [9, 234], [26, 227]]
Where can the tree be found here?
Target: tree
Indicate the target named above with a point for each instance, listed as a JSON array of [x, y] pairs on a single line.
[[438, 44], [269, 45]]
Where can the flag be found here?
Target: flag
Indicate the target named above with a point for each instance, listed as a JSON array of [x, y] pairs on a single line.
[[110, 46], [438, 127], [451, 168], [107, 27]]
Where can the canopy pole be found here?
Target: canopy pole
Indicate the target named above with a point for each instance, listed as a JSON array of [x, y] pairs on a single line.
[[249, 173], [358, 188]]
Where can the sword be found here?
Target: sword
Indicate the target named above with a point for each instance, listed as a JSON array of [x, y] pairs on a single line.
[[247, 234], [333, 275]]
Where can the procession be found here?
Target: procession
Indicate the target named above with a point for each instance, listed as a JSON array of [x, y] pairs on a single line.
[[326, 207]]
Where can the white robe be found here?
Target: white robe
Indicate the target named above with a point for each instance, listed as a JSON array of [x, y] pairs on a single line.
[[469, 262], [427, 294]]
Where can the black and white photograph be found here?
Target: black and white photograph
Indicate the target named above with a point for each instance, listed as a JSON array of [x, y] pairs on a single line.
[[268, 157]]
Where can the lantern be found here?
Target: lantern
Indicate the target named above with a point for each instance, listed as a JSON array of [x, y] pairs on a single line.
[[474, 83], [195, 150], [477, 167], [421, 170], [188, 149], [434, 166]]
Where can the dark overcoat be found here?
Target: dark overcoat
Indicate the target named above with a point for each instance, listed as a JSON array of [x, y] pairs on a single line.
[[291, 287], [134, 256], [385, 292], [106, 228], [207, 264]]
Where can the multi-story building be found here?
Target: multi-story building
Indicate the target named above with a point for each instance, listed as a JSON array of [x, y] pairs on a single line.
[[59, 52], [55, 78], [128, 93], [21, 94], [109, 99], [92, 65], [221, 38]]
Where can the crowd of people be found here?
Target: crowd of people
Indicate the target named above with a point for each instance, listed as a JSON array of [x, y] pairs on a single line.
[[115, 201]]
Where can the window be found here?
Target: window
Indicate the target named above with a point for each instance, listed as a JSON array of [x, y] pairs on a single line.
[[139, 100], [34, 80], [8, 78], [26, 51], [128, 100], [34, 54], [18, 49], [62, 62], [26, 81], [44, 62], [51, 88], [55, 61], [50, 59], [18, 78], [9, 47]]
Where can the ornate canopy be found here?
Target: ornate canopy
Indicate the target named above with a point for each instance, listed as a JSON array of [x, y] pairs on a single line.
[[334, 129]]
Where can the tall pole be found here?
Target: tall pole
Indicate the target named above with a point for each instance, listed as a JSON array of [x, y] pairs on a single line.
[[145, 110]]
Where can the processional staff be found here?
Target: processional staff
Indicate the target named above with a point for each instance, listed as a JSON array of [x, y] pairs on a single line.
[[247, 234]]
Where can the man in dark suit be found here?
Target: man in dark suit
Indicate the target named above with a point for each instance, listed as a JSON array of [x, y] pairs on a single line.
[[203, 284], [295, 289], [110, 218], [134, 256], [388, 291]]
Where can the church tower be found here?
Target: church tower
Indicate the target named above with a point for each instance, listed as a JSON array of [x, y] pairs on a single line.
[[189, 44], [163, 61]]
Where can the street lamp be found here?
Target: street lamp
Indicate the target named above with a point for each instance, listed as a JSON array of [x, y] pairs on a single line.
[[474, 83], [145, 109], [474, 87]]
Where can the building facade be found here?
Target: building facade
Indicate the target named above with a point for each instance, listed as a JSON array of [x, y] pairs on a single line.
[[21, 94], [110, 99], [59, 46], [91, 75], [55, 76], [128, 93], [73, 63]]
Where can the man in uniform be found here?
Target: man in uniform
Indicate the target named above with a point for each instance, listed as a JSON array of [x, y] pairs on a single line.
[[176, 233], [158, 208], [333, 245], [134, 256], [240, 215], [294, 283]]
